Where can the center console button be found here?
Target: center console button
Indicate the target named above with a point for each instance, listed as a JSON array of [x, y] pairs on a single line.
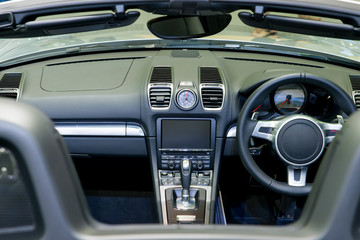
[[171, 164], [200, 165]]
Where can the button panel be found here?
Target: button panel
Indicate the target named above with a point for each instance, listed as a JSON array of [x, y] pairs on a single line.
[[199, 161], [172, 178]]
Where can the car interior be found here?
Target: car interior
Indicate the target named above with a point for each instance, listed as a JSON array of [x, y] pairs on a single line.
[[179, 143]]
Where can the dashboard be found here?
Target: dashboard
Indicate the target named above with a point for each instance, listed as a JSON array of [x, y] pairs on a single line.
[[123, 87], [169, 105], [134, 89]]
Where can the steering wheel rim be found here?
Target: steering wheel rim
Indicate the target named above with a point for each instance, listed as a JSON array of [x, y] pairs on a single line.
[[245, 125]]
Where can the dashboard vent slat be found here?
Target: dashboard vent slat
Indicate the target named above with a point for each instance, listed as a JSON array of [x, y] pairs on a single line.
[[212, 97], [10, 80], [356, 95], [211, 88], [355, 83], [209, 75], [9, 85], [160, 88], [160, 97], [161, 75]]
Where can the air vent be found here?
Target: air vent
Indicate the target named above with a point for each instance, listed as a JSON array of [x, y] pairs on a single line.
[[10, 80], [212, 97], [160, 96], [9, 85], [209, 75], [355, 83], [160, 88], [211, 88], [161, 75]]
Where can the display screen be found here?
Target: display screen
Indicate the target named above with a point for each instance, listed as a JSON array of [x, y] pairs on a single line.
[[190, 134]]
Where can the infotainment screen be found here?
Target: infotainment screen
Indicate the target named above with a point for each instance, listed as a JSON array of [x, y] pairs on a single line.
[[185, 134]]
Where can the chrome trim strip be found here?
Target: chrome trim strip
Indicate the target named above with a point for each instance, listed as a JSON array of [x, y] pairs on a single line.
[[222, 209], [99, 129], [134, 130], [231, 132], [186, 218]]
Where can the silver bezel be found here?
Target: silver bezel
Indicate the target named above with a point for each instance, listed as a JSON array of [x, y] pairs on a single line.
[[177, 99], [13, 90], [157, 85], [212, 85], [10, 90], [355, 93]]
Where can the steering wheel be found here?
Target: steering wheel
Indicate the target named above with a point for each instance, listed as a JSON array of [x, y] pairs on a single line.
[[298, 140]]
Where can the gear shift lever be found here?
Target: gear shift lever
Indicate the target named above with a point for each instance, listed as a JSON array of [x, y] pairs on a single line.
[[185, 172]]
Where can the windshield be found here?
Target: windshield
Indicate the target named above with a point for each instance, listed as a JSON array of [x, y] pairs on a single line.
[[132, 36]]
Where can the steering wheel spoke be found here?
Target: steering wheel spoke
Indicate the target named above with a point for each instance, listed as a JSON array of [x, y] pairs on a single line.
[[330, 130], [297, 176], [265, 130]]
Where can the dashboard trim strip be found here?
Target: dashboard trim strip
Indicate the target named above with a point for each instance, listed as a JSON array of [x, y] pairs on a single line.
[[99, 129], [231, 132]]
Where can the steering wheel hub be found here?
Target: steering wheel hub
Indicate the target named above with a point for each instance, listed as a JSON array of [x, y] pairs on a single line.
[[299, 142]]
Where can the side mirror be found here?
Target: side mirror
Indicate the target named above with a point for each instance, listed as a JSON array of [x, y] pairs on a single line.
[[184, 27]]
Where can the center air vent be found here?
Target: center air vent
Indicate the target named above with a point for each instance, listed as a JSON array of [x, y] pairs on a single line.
[[355, 82], [211, 88], [9, 85], [161, 75], [160, 88]]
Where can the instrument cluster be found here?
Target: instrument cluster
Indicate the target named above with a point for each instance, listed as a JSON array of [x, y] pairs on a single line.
[[296, 98]]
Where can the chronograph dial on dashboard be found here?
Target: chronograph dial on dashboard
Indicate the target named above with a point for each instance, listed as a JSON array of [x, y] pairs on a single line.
[[186, 99]]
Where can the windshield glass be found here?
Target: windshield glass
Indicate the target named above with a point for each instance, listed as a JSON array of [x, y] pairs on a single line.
[[20, 50]]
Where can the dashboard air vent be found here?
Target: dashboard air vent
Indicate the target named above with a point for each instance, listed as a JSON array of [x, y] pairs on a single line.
[[160, 88], [212, 97], [160, 96], [209, 75], [355, 83], [9, 85], [161, 75], [211, 88]]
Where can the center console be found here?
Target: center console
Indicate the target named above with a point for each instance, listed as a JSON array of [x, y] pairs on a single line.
[[185, 153]]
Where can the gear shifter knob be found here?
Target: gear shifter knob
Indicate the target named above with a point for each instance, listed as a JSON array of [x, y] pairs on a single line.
[[185, 172]]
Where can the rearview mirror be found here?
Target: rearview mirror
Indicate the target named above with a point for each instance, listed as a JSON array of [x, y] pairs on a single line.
[[183, 27]]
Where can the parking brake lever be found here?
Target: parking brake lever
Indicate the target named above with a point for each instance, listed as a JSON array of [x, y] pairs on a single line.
[[185, 172]]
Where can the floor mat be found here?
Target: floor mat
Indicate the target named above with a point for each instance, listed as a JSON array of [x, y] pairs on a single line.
[[122, 207], [254, 209]]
